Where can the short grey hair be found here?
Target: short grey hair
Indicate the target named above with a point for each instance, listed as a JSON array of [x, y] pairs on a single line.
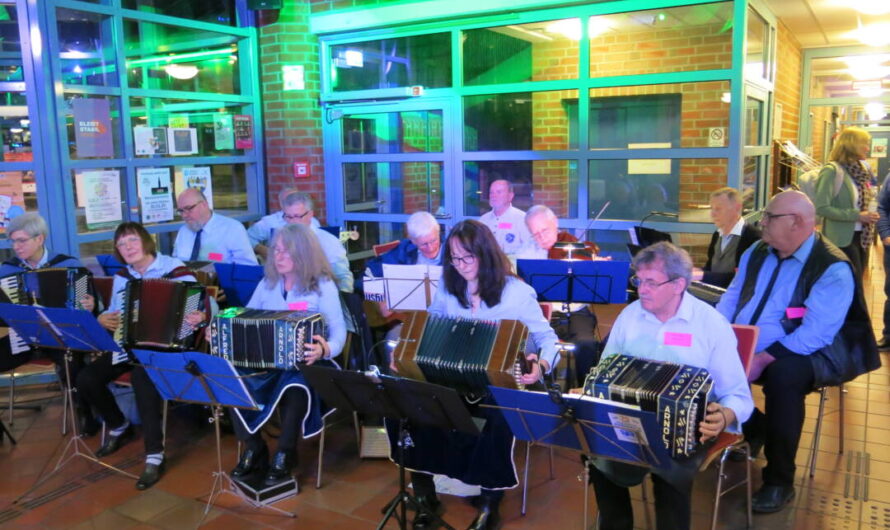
[[296, 197], [730, 193], [421, 224], [30, 223], [508, 182], [677, 263], [539, 209]]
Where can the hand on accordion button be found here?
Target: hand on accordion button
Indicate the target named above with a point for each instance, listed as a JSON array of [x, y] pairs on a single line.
[[110, 320], [717, 419], [315, 351], [195, 319]]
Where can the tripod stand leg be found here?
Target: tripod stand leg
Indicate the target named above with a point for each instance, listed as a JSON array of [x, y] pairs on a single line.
[[4, 430]]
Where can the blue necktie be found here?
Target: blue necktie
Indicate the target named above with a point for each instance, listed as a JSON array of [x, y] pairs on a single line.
[[196, 248]]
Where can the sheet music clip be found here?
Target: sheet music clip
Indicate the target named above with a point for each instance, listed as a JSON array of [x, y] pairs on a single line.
[[569, 247]]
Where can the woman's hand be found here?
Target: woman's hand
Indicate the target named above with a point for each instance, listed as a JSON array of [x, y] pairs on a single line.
[[110, 321], [314, 351], [537, 371], [88, 303], [868, 218], [717, 419], [195, 318]]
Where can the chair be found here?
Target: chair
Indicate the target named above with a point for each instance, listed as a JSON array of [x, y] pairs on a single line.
[[383, 248], [823, 397], [109, 264]]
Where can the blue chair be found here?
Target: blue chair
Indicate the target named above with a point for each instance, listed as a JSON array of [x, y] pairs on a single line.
[[110, 265]]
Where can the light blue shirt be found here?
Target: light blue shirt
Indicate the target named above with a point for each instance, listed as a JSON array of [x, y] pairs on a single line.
[[335, 252], [518, 302], [826, 306], [697, 335], [261, 232], [158, 268], [327, 303], [222, 235]]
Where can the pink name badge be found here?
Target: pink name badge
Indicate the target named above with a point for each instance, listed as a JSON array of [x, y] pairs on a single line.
[[215, 256], [796, 312], [677, 339], [505, 226], [298, 306]]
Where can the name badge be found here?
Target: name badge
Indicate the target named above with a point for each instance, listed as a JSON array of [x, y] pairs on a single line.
[[795, 312], [215, 256], [677, 339], [298, 306], [505, 226]]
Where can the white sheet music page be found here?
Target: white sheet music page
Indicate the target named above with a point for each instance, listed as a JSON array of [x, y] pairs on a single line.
[[405, 285]]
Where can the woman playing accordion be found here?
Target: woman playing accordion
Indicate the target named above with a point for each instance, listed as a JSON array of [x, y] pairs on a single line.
[[478, 284], [297, 277]]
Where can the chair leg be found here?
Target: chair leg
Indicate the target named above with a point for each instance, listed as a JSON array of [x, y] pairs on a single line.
[[552, 476], [840, 404], [715, 510], [320, 456], [164, 424], [11, 397], [823, 396], [748, 486]]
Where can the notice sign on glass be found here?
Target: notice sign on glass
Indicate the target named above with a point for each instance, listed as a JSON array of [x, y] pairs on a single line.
[[101, 197], [155, 194], [92, 127], [199, 177], [223, 135], [243, 124]]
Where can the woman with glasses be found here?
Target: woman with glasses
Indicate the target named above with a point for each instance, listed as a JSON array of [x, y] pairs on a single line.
[[478, 283], [134, 246], [297, 277]]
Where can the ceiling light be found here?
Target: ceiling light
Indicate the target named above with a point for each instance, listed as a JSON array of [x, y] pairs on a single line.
[[875, 111], [570, 28], [867, 7], [876, 35], [863, 67], [180, 71]]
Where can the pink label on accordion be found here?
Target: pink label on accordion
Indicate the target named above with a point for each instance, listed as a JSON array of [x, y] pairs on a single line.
[[215, 256], [298, 306], [505, 226], [796, 312], [677, 339]]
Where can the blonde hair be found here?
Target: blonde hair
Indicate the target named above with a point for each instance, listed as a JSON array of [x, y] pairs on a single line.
[[846, 147], [310, 263]]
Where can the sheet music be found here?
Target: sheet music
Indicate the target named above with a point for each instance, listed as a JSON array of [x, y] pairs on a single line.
[[405, 287]]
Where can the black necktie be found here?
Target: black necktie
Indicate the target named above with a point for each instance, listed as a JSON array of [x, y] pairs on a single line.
[[767, 292], [196, 248]]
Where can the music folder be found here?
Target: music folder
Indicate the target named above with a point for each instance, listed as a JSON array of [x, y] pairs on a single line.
[[239, 281], [404, 287]]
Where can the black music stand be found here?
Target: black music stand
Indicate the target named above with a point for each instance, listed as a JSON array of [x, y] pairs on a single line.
[[405, 400], [195, 377], [594, 427], [73, 331], [593, 282]]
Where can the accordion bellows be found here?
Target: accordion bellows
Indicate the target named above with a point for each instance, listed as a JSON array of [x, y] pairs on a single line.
[[264, 339], [153, 313], [51, 287], [677, 393]]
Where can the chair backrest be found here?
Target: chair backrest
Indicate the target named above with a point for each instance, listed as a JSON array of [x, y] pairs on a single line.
[[103, 287], [746, 335], [547, 309], [109, 264], [383, 248]]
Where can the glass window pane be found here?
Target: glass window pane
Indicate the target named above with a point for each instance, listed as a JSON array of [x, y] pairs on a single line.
[[203, 61], [537, 51], [393, 187], [213, 124], [217, 11], [637, 188], [520, 121], [751, 169], [553, 183], [753, 117], [229, 183], [10, 41], [86, 48], [98, 120], [671, 115], [100, 198], [677, 39], [15, 123], [755, 53], [423, 60], [372, 233], [393, 132], [851, 76]]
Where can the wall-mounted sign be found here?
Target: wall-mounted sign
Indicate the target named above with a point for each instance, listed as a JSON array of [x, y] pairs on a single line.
[[101, 196], [293, 77], [243, 125], [301, 169], [155, 194], [92, 128]]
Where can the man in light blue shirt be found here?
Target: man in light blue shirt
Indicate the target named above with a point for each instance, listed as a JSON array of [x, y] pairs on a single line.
[[208, 236], [261, 232]]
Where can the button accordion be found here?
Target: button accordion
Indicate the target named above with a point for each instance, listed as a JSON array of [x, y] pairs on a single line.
[[677, 394], [464, 354], [51, 287], [264, 339], [153, 313]]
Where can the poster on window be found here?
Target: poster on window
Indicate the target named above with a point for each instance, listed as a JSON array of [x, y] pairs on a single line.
[[101, 197], [155, 194], [243, 125], [92, 128], [12, 197], [182, 141], [223, 132], [199, 177], [879, 147]]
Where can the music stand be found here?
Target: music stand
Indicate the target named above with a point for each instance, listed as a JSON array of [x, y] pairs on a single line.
[[594, 427], [593, 282], [71, 331], [195, 377], [238, 281], [404, 287], [404, 400]]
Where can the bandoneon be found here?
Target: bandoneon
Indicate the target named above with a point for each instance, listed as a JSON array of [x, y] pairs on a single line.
[[464, 354], [153, 313], [264, 339], [676, 393], [51, 287]]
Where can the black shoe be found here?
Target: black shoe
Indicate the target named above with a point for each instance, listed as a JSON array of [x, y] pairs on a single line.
[[113, 443], [281, 468], [151, 475], [432, 505], [770, 499], [87, 426], [488, 517], [754, 445], [884, 343], [252, 460]]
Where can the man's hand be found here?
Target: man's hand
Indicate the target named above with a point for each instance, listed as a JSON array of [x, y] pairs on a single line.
[[538, 369], [697, 274], [758, 364], [110, 321], [717, 419]]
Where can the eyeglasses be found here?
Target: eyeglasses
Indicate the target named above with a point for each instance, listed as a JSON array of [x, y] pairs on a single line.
[[127, 241], [187, 209], [21, 240], [296, 217], [280, 251], [469, 259], [638, 282], [768, 216], [543, 232]]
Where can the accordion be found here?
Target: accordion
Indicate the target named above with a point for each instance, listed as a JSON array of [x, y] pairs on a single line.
[[464, 354], [264, 339], [153, 313], [51, 287], [676, 393]]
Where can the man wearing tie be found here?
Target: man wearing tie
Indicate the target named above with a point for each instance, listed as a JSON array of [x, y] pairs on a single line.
[[731, 239], [208, 236]]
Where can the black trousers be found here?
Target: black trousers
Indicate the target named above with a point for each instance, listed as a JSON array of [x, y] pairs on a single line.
[[292, 407], [74, 367], [786, 383], [92, 387], [150, 406], [858, 255], [673, 503]]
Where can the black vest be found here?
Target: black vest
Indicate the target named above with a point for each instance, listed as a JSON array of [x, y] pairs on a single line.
[[854, 350]]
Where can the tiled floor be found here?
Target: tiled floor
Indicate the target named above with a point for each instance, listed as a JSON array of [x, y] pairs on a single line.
[[851, 490]]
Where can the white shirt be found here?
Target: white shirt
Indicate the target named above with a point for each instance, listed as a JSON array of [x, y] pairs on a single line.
[[158, 268], [509, 229], [335, 252], [223, 239], [696, 335], [261, 232]]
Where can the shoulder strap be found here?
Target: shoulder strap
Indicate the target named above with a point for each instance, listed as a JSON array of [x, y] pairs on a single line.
[[58, 258], [124, 273], [178, 272]]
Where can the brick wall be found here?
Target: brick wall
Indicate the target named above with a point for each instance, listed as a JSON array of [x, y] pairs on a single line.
[[789, 61]]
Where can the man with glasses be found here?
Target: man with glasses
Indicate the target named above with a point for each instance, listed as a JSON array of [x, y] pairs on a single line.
[[209, 236], [261, 232], [799, 289], [505, 221], [668, 324]]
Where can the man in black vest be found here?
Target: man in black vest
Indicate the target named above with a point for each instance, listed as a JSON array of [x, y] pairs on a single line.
[[731, 239], [799, 289]]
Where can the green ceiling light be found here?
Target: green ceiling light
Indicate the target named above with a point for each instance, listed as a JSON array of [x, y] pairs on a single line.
[[181, 57], [662, 17]]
